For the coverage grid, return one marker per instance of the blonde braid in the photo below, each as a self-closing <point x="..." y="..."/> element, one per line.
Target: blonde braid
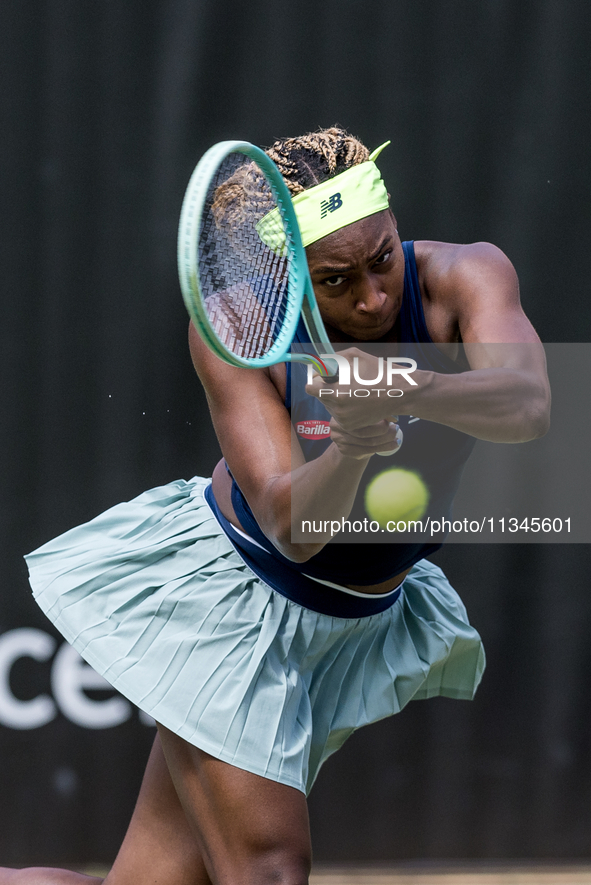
<point x="242" y="197"/>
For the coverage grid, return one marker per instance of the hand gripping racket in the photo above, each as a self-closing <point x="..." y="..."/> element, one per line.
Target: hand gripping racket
<point x="242" y="266"/>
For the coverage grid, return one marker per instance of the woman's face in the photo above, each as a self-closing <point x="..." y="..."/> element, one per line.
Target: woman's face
<point x="358" y="278"/>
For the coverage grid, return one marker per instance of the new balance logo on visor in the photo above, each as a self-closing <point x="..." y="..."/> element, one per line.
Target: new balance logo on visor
<point x="330" y="205"/>
<point x="314" y="429"/>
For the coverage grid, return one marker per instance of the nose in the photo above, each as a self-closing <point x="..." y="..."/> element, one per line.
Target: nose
<point x="370" y="296"/>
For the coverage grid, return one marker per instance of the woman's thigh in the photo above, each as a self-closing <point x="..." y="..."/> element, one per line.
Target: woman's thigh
<point x="249" y="829"/>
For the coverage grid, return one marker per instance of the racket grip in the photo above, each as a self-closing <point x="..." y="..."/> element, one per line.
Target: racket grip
<point x="399" y="439"/>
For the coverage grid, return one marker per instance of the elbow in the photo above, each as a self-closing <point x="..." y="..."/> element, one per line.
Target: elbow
<point x="534" y="421"/>
<point x="302" y="552"/>
<point x="280" y="527"/>
<point x="283" y="536"/>
<point x="540" y="425"/>
<point x="292" y="550"/>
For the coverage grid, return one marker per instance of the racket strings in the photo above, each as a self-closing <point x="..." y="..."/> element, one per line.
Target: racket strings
<point x="243" y="282"/>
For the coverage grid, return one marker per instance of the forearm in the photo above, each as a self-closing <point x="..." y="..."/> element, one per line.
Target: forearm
<point x="503" y="398"/>
<point x="322" y="490"/>
<point x="507" y="405"/>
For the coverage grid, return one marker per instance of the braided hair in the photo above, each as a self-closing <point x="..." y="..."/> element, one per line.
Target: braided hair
<point x="303" y="162"/>
<point x="315" y="157"/>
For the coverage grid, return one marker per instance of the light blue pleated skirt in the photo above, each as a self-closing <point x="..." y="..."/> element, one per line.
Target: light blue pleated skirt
<point x="155" y="597"/>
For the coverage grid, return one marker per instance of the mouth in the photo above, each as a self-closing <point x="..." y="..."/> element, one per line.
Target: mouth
<point x="378" y="326"/>
<point x="362" y="327"/>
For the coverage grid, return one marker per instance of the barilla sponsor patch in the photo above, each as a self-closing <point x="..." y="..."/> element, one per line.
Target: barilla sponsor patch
<point x="313" y="429"/>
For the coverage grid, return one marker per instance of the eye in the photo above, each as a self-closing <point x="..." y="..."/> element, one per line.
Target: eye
<point x="333" y="281"/>
<point x="382" y="259"/>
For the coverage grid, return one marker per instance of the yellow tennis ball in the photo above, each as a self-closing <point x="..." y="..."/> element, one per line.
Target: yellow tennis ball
<point x="394" y="495"/>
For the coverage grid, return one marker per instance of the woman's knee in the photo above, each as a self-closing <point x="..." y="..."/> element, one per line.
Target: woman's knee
<point x="278" y="867"/>
<point x="259" y="853"/>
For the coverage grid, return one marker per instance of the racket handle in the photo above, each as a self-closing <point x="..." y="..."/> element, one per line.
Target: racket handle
<point x="399" y="438"/>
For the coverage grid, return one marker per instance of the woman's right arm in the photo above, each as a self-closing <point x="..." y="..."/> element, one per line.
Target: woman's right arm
<point x="259" y="444"/>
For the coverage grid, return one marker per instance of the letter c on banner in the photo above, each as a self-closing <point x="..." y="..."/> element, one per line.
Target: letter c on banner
<point x="70" y="675"/>
<point x="24" y="643"/>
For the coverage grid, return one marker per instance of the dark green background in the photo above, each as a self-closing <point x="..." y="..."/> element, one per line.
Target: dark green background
<point x="106" y="106"/>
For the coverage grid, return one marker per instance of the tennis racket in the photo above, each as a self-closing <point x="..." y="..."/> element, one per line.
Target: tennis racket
<point x="244" y="286"/>
<point x="242" y="266"/>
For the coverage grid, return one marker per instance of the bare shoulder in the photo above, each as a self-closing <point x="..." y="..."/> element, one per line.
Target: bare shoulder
<point x="446" y="268"/>
<point x="472" y="288"/>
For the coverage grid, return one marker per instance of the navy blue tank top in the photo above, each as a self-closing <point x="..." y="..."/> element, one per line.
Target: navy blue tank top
<point x="437" y="452"/>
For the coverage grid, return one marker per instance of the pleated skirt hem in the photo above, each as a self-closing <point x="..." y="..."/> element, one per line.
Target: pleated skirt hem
<point x="156" y="599"/>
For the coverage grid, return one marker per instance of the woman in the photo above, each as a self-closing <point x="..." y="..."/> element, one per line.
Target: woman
<point x="259" y="656"/>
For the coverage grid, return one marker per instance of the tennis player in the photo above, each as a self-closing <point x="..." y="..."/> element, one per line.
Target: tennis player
<point x="258" y="656"/>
